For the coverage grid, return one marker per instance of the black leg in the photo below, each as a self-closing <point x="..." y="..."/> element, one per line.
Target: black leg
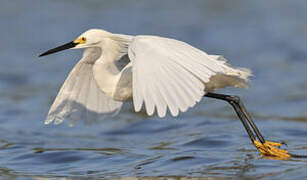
<point x="251" y="122"/>
<point x="266" y="148"/>
<point x="242" y="118"/>
<point x="241" y="112"/>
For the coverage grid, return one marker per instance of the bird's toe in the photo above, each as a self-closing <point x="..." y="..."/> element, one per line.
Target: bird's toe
<point x="271" y="149"/>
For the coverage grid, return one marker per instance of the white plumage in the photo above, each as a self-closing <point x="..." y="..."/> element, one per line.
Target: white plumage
<point x="80" y="89"/>
<point x="164" y="74"/>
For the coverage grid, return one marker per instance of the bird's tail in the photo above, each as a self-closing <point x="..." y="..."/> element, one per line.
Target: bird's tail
<point x="231" y="76"/>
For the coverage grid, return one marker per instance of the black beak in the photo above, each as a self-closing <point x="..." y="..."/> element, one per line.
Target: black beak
<point x="60" y="48"/>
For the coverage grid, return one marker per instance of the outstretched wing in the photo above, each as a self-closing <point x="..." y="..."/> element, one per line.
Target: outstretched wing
<point x="168" y="74"/>
<point x="80" y="98"/>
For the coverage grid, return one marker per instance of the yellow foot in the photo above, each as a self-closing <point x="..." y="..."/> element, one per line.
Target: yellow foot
<point x="268" y="149"/>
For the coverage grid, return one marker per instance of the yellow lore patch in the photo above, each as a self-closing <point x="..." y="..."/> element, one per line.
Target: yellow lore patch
<point x="81" y="40"/>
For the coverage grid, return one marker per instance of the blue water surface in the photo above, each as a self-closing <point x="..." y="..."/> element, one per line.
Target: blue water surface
<point x="208" y="141"/>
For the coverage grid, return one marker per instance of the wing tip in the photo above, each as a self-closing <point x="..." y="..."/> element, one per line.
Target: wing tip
<point x="48" y="120"/>
<point x="53" y="119"/>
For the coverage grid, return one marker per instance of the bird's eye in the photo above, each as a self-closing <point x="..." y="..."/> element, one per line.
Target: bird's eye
<point x="83" y="39"/>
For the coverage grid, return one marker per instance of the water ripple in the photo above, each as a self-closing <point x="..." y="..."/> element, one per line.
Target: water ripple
<point x="206" y="142"/>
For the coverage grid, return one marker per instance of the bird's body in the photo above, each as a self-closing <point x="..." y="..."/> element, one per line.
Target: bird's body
<point x="164" y="74"/>
<point x="161" y="72"/>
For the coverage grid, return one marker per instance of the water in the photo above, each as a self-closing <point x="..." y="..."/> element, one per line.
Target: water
<point x="270" y="37"/>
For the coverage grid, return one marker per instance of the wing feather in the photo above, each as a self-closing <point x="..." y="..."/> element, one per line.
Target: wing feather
<point x="181" y="90"/>
<point x="175" y="89"/>
<point x="162" y="108"/>
<point x="80" y="98"/>
<point x="168" y="74"/>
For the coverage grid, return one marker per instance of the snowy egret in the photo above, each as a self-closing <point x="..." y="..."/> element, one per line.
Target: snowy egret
<point x="164" y="74"/>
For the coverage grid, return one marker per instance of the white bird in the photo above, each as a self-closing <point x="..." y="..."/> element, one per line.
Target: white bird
<point x="164" y="74"/>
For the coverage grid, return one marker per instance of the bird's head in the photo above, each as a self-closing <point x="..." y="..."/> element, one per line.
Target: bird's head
<point x="89" y="38"/>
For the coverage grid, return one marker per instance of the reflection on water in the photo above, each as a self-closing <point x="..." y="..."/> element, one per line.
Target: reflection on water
<point x="207" y="141"/>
